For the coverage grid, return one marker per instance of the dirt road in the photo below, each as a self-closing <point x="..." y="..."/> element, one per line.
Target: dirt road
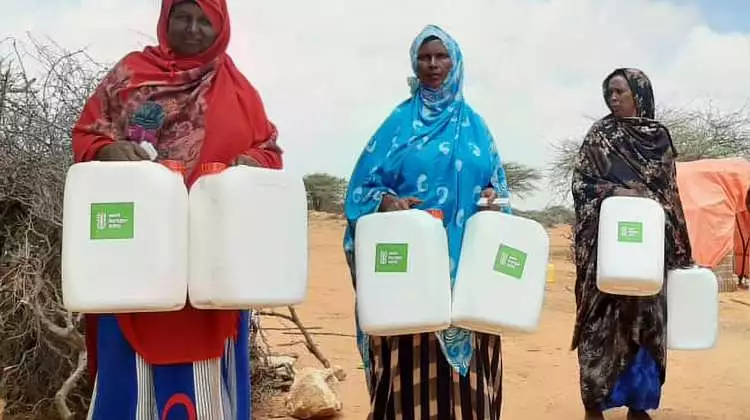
<point x="540" y="372"/>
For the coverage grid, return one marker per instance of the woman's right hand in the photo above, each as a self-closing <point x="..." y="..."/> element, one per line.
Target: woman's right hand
<point x="626" y="192"/>
<point x="122" y="151"/>
<point x="393" y="203"/>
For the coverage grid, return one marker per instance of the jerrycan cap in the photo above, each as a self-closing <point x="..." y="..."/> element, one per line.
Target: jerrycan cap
<point x="500" y="201"/>
<point x="210" y="168"/>
<point x="174" y="165"/>
<point x="436" y="213"/>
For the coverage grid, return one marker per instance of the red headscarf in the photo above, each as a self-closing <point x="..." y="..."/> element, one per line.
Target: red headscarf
<point x="216" y="101"/>
<point x="228" y="107"/>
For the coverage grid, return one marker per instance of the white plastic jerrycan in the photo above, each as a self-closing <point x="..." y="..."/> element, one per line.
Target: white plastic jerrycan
<point x="248" y="238"/>
<point x="692" y="309"/>
<point x="502" y="274"/>
<point x="631" y="246"/>
<point x="124" y="237"/>
<point x="403" y="273"/>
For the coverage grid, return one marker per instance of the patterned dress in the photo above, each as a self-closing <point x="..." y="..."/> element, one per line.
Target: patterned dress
<point x="436" y="148"/>
<point x="621" y="340"/>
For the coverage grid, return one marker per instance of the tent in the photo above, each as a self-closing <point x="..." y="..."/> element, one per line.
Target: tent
<point x="714" y="194"/>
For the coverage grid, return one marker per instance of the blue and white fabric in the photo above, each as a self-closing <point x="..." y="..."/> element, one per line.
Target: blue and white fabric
<point x="128" y="388"/>
<point x="436" y="148"/>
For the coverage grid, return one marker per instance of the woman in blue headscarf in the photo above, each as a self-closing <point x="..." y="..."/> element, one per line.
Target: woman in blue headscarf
<point x="433" y="152"/>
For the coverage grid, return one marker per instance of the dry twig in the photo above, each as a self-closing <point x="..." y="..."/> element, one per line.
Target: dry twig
<point x="42" y="90"/>
<point x="309" y="342"/>
<point x="61" y="396"/>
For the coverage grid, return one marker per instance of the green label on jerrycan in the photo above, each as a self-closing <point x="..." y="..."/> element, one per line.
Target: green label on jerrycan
<point x="510" y="261"/>
<point x="112" y="221"/>
<point x="391" y="258"/>
<point x="630" y="232"/>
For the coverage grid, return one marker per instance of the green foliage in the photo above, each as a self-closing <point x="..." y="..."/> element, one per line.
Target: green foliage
<point x="549" y="217"/>
<point x="325" y="192"/>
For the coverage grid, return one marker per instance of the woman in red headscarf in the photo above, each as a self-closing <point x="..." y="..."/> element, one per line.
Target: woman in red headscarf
<point x="181" y="100"/>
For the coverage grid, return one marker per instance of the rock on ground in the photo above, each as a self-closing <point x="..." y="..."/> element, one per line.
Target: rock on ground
<point x="314" y="395"/>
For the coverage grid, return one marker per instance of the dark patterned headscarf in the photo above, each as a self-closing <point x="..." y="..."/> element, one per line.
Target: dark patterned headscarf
<point x="618" y="155"/>
<point x="640" y="86"/>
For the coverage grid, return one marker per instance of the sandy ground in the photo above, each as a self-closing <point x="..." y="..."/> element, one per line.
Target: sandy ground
<point x="541" y="380"/>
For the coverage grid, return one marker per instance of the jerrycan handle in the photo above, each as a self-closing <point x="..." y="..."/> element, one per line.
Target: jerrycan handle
<point x="211" y="168"/>
<point x="176" y="166"/>
<point x="484" y="202"/>
<point x="436" y="213"/>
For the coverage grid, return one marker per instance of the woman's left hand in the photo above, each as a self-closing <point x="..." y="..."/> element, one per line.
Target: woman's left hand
<point x="490" y="194"/>
<point x="246" y="161"/>
<point x="626" y="192"/>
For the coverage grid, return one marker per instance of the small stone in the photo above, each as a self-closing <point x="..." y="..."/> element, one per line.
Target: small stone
<point x="339" y="373"/>
<point x="313" y="395"/>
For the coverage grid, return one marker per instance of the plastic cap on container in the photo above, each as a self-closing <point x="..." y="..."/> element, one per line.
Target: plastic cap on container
<point x="436" y="213"/>
<point x="174" y="165"/>
<point x="500" y="201"/>
<point x="210" y="168"/>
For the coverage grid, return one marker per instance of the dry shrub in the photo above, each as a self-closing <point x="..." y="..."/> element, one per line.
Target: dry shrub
<point x="42" y="352"/>
<point x="262" y="377"/>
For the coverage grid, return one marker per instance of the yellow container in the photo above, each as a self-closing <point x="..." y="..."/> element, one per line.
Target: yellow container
<point x="550" y="273"/>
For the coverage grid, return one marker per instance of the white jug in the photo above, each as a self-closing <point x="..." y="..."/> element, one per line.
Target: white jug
<point x="692" y="309"/>
<point x="403" y="273"/>
<point x="248" y="238"/>
<point x="124" y="238"/>
<point x="631" y="246"/>
<point x="501" y="275"/>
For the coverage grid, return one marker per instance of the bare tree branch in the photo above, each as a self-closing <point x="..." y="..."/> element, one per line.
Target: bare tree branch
<point x="522" y="180"/>
<point x="43" y="88"/>
<point x="309" y="342"/>
<point x="61" y="396"/>
<point x="560" y="169"/>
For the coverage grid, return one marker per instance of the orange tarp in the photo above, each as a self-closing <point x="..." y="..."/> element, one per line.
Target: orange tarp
<point x="713" y="193"/>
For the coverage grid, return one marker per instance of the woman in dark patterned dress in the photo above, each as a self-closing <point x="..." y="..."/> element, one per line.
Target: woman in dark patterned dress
<point x="621" y="341"/>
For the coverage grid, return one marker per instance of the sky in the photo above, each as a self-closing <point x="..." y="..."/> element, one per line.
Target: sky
<point x="330" y="71"/>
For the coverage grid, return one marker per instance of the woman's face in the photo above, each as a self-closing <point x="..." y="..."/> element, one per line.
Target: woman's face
<point x="189" y="32"/>
<point x="620" y="97"/>
<point x="433" y="64"/>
